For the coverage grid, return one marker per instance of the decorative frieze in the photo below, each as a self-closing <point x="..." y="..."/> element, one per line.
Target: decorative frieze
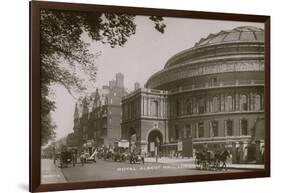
<point x="188" y="71"/>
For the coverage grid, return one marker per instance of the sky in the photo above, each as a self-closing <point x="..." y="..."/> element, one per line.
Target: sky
<point x="145" y="53"/>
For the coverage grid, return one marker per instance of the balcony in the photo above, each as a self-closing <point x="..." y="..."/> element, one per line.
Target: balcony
<point x="220" y="139"/>
<point x="225" y="84"/>
<point x="145" y="90"/>
<point x="220" y="113"/>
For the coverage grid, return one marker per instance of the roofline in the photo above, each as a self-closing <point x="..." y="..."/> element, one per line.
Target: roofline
<point x="206" y="46"/>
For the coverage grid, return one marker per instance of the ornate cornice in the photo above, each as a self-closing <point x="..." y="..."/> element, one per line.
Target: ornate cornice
<point x="205" y="68"/>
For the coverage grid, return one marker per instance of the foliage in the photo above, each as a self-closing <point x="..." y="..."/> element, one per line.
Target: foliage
<point x="64" y="53"/>
<point x="72" y="140"/>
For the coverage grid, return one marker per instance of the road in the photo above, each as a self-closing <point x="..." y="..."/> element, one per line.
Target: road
<point x="109" y="170"/>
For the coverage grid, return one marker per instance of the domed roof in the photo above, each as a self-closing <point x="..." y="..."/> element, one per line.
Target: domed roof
<point x="243" y="33"/>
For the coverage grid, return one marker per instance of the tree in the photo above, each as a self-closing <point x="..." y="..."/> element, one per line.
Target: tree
<point x="64" y="53"/>
<point x="72" y="140"/>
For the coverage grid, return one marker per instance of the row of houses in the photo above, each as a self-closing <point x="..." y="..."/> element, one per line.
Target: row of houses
<point x="97" y="117"/>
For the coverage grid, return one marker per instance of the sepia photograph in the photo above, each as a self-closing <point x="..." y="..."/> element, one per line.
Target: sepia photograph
<point x="127" y="96"/>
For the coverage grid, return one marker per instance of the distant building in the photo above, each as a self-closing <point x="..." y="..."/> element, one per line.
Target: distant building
<point x="99" y="120"/>
<point x="212" y="93"/>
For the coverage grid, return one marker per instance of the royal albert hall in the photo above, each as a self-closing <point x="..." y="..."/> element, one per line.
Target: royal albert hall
<point x="212" y="93"/>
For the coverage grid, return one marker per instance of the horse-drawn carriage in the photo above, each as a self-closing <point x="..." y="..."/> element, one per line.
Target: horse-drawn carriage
<point x="211" y="159"/>
<point x="136" y="158"/>
<point x="65" y="158"/>
<point x="118" y="154"/>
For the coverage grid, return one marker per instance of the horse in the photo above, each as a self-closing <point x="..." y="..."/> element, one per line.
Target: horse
<point x="211" y="159"/>
<point x="200" y="159"/>
<point x="223" y="157"/>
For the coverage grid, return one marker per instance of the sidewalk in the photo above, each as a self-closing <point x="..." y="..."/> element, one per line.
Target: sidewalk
<point x="190" y="163"/>
<point x="169" y="160"/>
<point x="50" y="173"/>
<point x="246" y="166"/>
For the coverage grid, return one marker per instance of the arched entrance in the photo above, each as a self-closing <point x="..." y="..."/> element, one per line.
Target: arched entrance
<point x="155" y="140"/>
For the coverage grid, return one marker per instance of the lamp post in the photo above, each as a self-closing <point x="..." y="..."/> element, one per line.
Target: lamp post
<point x="157" y="141"/>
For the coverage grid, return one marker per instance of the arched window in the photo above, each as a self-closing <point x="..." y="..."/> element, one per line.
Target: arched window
<point x="258" y="103"/>
<point x="243" y="102"/>
<point x="228" y="104"/>
<point x="154" y="108"/>
<point x="215" y="104"/>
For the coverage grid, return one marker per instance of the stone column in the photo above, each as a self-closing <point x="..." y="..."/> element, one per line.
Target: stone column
<point x="194" y="106"/>
<point x="164" y="107"/>
<point x="233" y="102"/>
<point x="141" y="105"/>
<point x="208" y="104"/>
<point x="249" y="101"/>
<point x="222" y="103"/>
<point x="146" y="106"/>
<point x="252" y="100"/>
<point x="160" y="106"/>
<point x="237" y="102"/>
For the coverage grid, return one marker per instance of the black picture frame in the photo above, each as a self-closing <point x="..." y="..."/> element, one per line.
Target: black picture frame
<point x="35" y="95"/>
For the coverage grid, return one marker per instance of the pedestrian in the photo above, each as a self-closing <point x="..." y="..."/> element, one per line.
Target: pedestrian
<point x="262" y="153"/>
<point x="54" y="155"/>
<point x="74" y="158"/>
<point x="82" y="158"/>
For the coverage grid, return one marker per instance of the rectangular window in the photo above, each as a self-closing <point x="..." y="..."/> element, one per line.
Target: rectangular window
<point x="244" y="127"/>
<point x="201" y="109"/>
<point x="188" y="107"/>
<point x="229" y="128"/>
<point x="178" y="108"/>
<point x="154" y="108"/>
<point x="214" y="132"/>
<point x="176" y="132"/>
<point x="201" y="106"/>
<point x="200" y="129"/>
<point x="244" y="103"/>
<point x="104" y="132"/>
<point x="215" y="104"/>
<point x="187" y="131"/>
<point x="214" y="81"/>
